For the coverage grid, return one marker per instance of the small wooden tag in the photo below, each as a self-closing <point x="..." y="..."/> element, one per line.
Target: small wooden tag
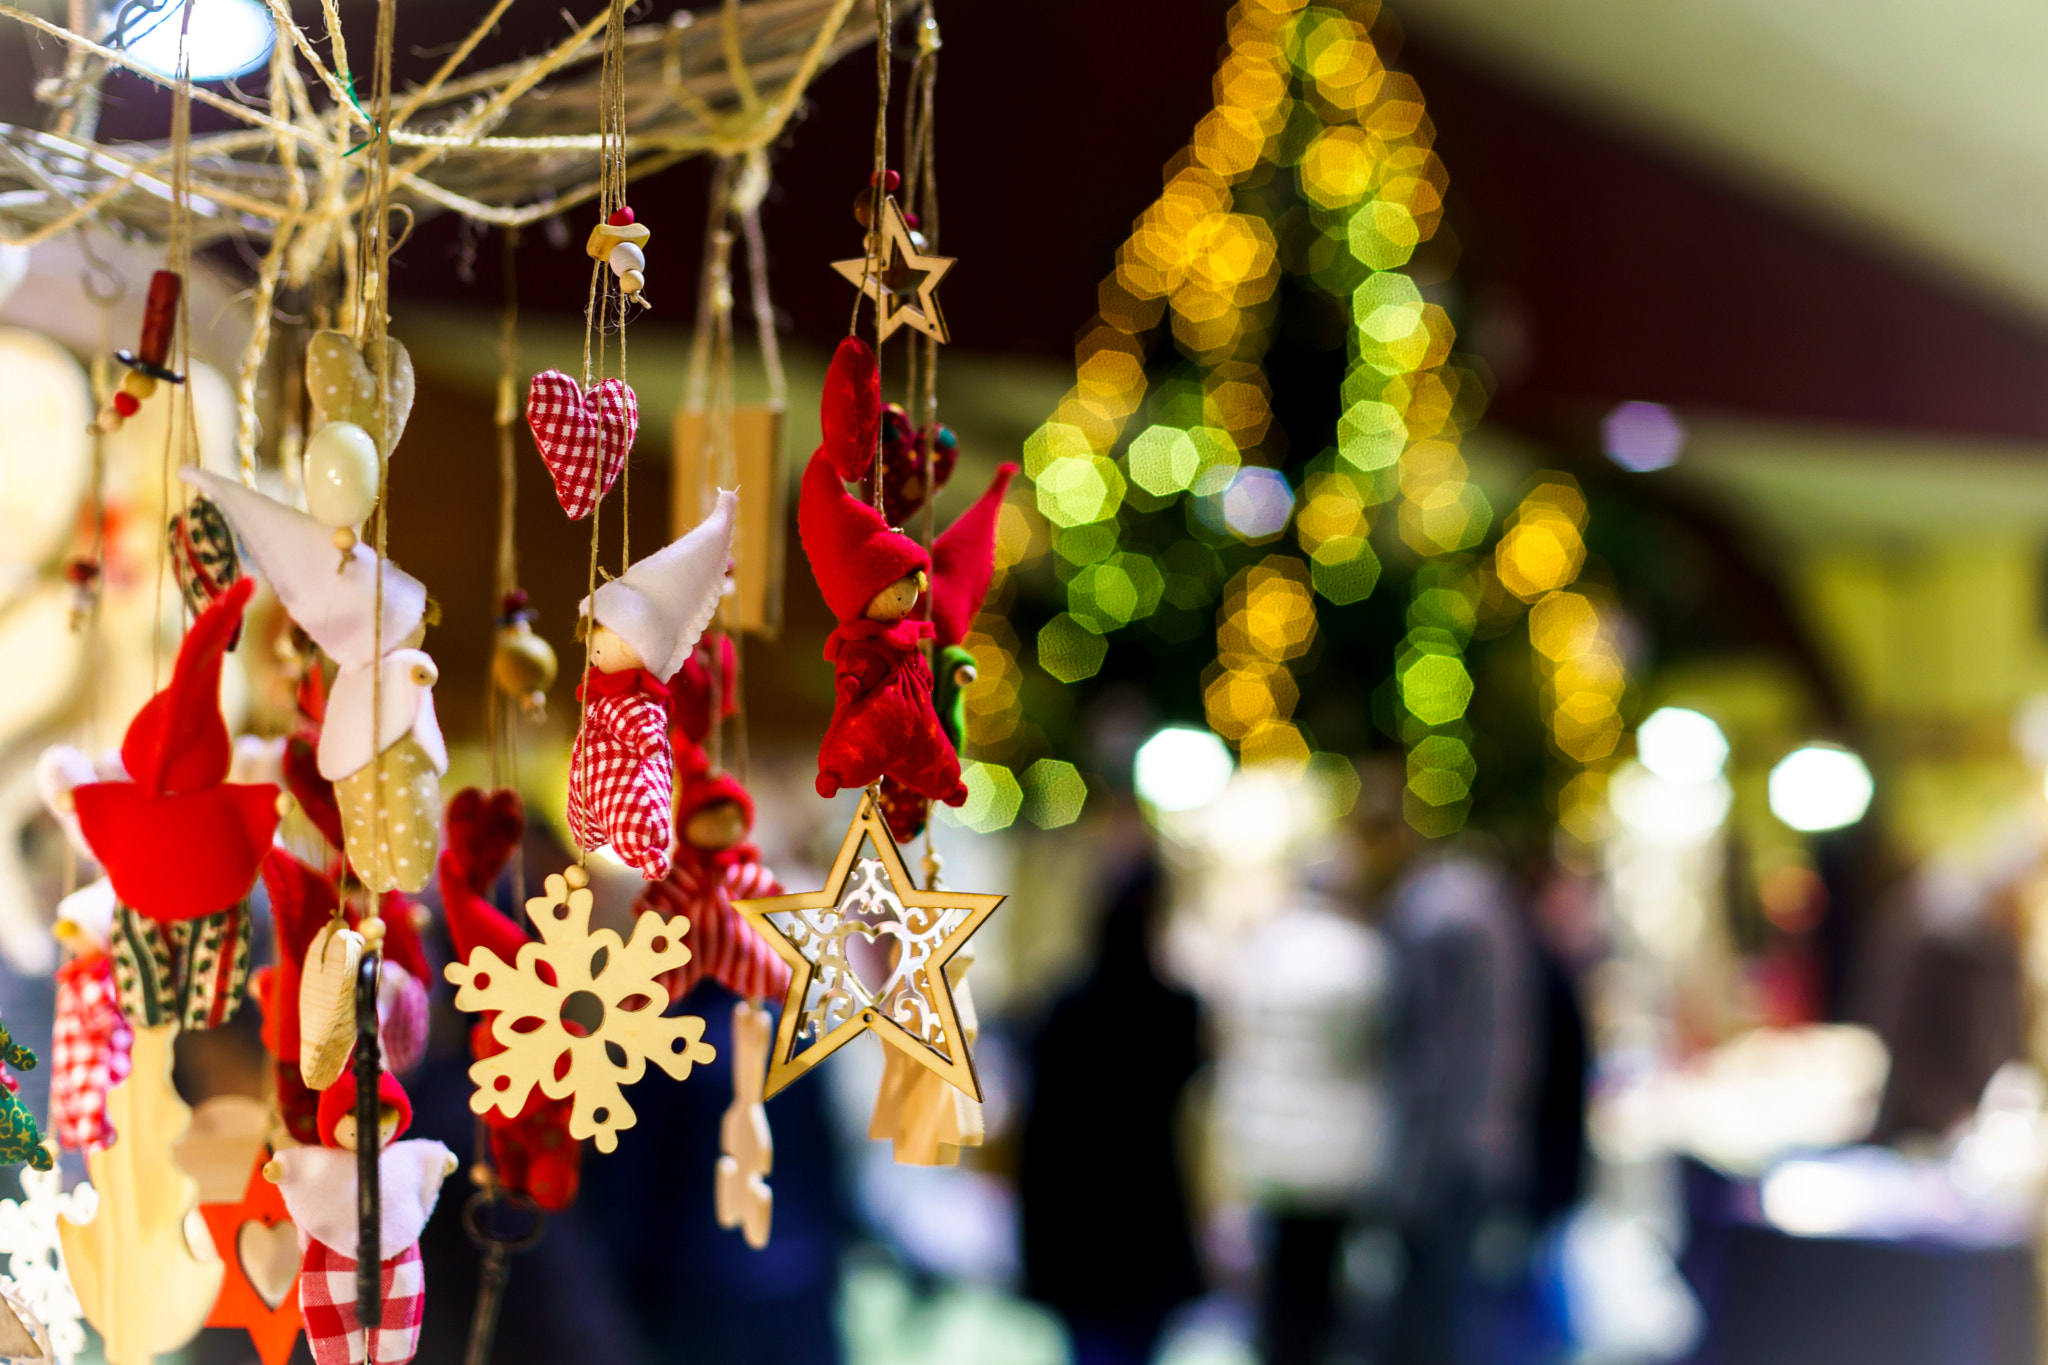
<point x="758" y="547"/>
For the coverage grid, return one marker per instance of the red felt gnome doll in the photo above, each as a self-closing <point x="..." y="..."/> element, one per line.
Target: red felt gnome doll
<point x="319" y="1189"/>
<point x="715" y="865"/>
<point x="871" y="575"/>
<point x="644" y="625"/>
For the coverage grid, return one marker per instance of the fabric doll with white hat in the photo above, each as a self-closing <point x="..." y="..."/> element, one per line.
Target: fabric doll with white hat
<point x="386" y="769"/>
<point x="92" y="1039"/>
<point x="643" y="626"/>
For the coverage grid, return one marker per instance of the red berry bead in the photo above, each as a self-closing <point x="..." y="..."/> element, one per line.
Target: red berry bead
<point x="890" y="180"/>
<point x="81" y="573"/>
<point x="127" y="404"/>
<point x="621" y="217"/>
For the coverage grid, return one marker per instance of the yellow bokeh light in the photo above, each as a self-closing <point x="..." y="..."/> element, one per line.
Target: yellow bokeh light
<point x="1371" y="435"/>
<point x="1538" y="556"/>
<point x="1562" y="625"/>
<point x="993" y="798"/>
<point x="1333" y="513"/>
<point x="1274" y="744"/>
<point x="1020" y="536"/>
<point x="1337" y="168"/>
<point x="1237" y="697"/>
<point x="1268" y="612"/>
<point x="1075" y="490"/>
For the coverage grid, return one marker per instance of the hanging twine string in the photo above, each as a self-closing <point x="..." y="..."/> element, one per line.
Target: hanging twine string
<point x="611" y="195"/>
<point x="877" y="192"/>
<point x="921" y="191"/>
<point x="506" y="577"/>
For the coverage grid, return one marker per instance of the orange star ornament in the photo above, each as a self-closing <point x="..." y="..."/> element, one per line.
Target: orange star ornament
<point x="259" y="1243"/>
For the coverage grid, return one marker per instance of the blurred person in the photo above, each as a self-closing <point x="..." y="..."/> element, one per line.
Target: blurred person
<point x="1465" y="1071"/>
<point x="1302" y="1096"/>
<point x="1942" y="984"/>
<point x="1106" y="1234"/>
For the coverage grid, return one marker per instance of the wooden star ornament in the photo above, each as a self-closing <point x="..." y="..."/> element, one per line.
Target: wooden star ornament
<point x="259" y="1244"/>
<point x="902" y="280"/>
<point x="868" y="953"/>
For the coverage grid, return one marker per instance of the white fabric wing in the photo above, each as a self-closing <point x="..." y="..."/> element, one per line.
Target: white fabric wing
<point x="295" y="555"/>
<point x="319" y="1189"/>
<point x="61" y="767"/>
<point x="407" y="707"/>
<point x="662" y="604"/>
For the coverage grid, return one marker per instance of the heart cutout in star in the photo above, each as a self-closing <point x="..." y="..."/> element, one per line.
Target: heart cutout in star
<point x="269" y="1253"/>
<point x="583" y="435"/>
<point x="877" y="946"/>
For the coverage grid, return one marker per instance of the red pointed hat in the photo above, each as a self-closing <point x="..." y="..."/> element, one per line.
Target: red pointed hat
<point x="697" y="787"/>
<point x="853" y="550"/>
<point x="963" y="561"/>
<point x="179" y="840"/>
<point x="340" y="1098"/>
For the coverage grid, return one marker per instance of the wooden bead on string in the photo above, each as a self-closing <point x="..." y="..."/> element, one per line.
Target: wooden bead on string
<point x="619" y="242"/>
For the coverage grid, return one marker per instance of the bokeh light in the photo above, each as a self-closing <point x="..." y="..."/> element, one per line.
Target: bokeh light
<point x="1068" y="650"/>
<point x="1681" y="745"/>
<point x="1054" y="793"/>
<point x="1820" y="787"/>
<point x="1642" y="436"/>
<point x="1181" y="768"/>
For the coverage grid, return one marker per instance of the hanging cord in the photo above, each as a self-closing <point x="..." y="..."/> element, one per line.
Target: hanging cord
<point x="178" y="257"/>
<point x="877" y="192"/>
<point x="611" y="194"/>
<point x="497" y="722"/>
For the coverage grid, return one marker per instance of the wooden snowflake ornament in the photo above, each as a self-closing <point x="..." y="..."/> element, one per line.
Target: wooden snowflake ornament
<point x="580" y="1013"/>
<point x="868" y="953"/>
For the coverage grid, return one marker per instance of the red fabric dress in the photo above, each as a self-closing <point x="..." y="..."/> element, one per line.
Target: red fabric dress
<point x="622" y="772"/>
<point x="89" y="1051"/>
<point x="883" y="721"/>
<point x="722" y="944"/>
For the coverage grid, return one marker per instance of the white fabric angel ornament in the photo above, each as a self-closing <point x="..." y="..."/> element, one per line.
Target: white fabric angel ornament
<point x="643" y="626"/>
<point x="319" y="1189"/>
<point x="386" y="769"/>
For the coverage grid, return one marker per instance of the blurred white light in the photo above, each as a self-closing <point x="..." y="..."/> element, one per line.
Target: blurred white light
<point x="1181" y="768"/>
<point x="1642" y="436"/>
<point x="1815" y="1198"/>
<point x="1682" y="746"/>
<point x="1822" y="786"/>
<point x="1257" y="503"/>
<point x="1660" y="811"/>
<point x="227" y="39"/>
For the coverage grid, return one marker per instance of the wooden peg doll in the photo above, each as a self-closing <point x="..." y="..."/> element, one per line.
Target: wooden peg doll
<point x="319" y="1188"/>
<point x="643" y="626"/>
<point x="871" y="576"/>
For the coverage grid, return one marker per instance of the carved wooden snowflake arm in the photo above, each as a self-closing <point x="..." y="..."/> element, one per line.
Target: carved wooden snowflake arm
<point x="579" y="1013"/>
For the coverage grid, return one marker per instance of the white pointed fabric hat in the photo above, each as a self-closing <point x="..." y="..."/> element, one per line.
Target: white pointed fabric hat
<point x="295" y="555"/>
<point x="662" y="604"/>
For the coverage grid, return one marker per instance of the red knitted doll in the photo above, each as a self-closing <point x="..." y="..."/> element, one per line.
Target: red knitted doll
<point x="319" y="1189"/>
<point x="715" y="866"/>
<point x="533" y="1153"/>
<point x="645" y="623"/>
<point x="871" y="575"/>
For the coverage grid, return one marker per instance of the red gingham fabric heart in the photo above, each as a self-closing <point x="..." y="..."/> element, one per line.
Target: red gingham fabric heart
<point x="583" y="435"/>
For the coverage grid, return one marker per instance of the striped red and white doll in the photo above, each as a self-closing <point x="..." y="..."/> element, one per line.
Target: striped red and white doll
<point x="319" y="1189"/>
<point x="715" y="865"/>
<point x="643" y="625"/>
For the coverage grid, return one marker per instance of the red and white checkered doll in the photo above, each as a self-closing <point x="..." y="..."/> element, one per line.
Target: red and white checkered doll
<point x="644" y="624"/>
<point x="90" y="1045"/>
<point x="319" y="1189"/>
<point x="715" y="865"/>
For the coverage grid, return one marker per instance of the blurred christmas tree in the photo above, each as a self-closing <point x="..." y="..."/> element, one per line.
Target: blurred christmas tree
<point x="1254" y="506"/>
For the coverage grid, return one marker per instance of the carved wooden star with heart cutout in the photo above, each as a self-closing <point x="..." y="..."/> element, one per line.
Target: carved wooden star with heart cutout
<point x="868" y="954"/>
<point x="902" y="281"/>
<point x="260" y="1246"/>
